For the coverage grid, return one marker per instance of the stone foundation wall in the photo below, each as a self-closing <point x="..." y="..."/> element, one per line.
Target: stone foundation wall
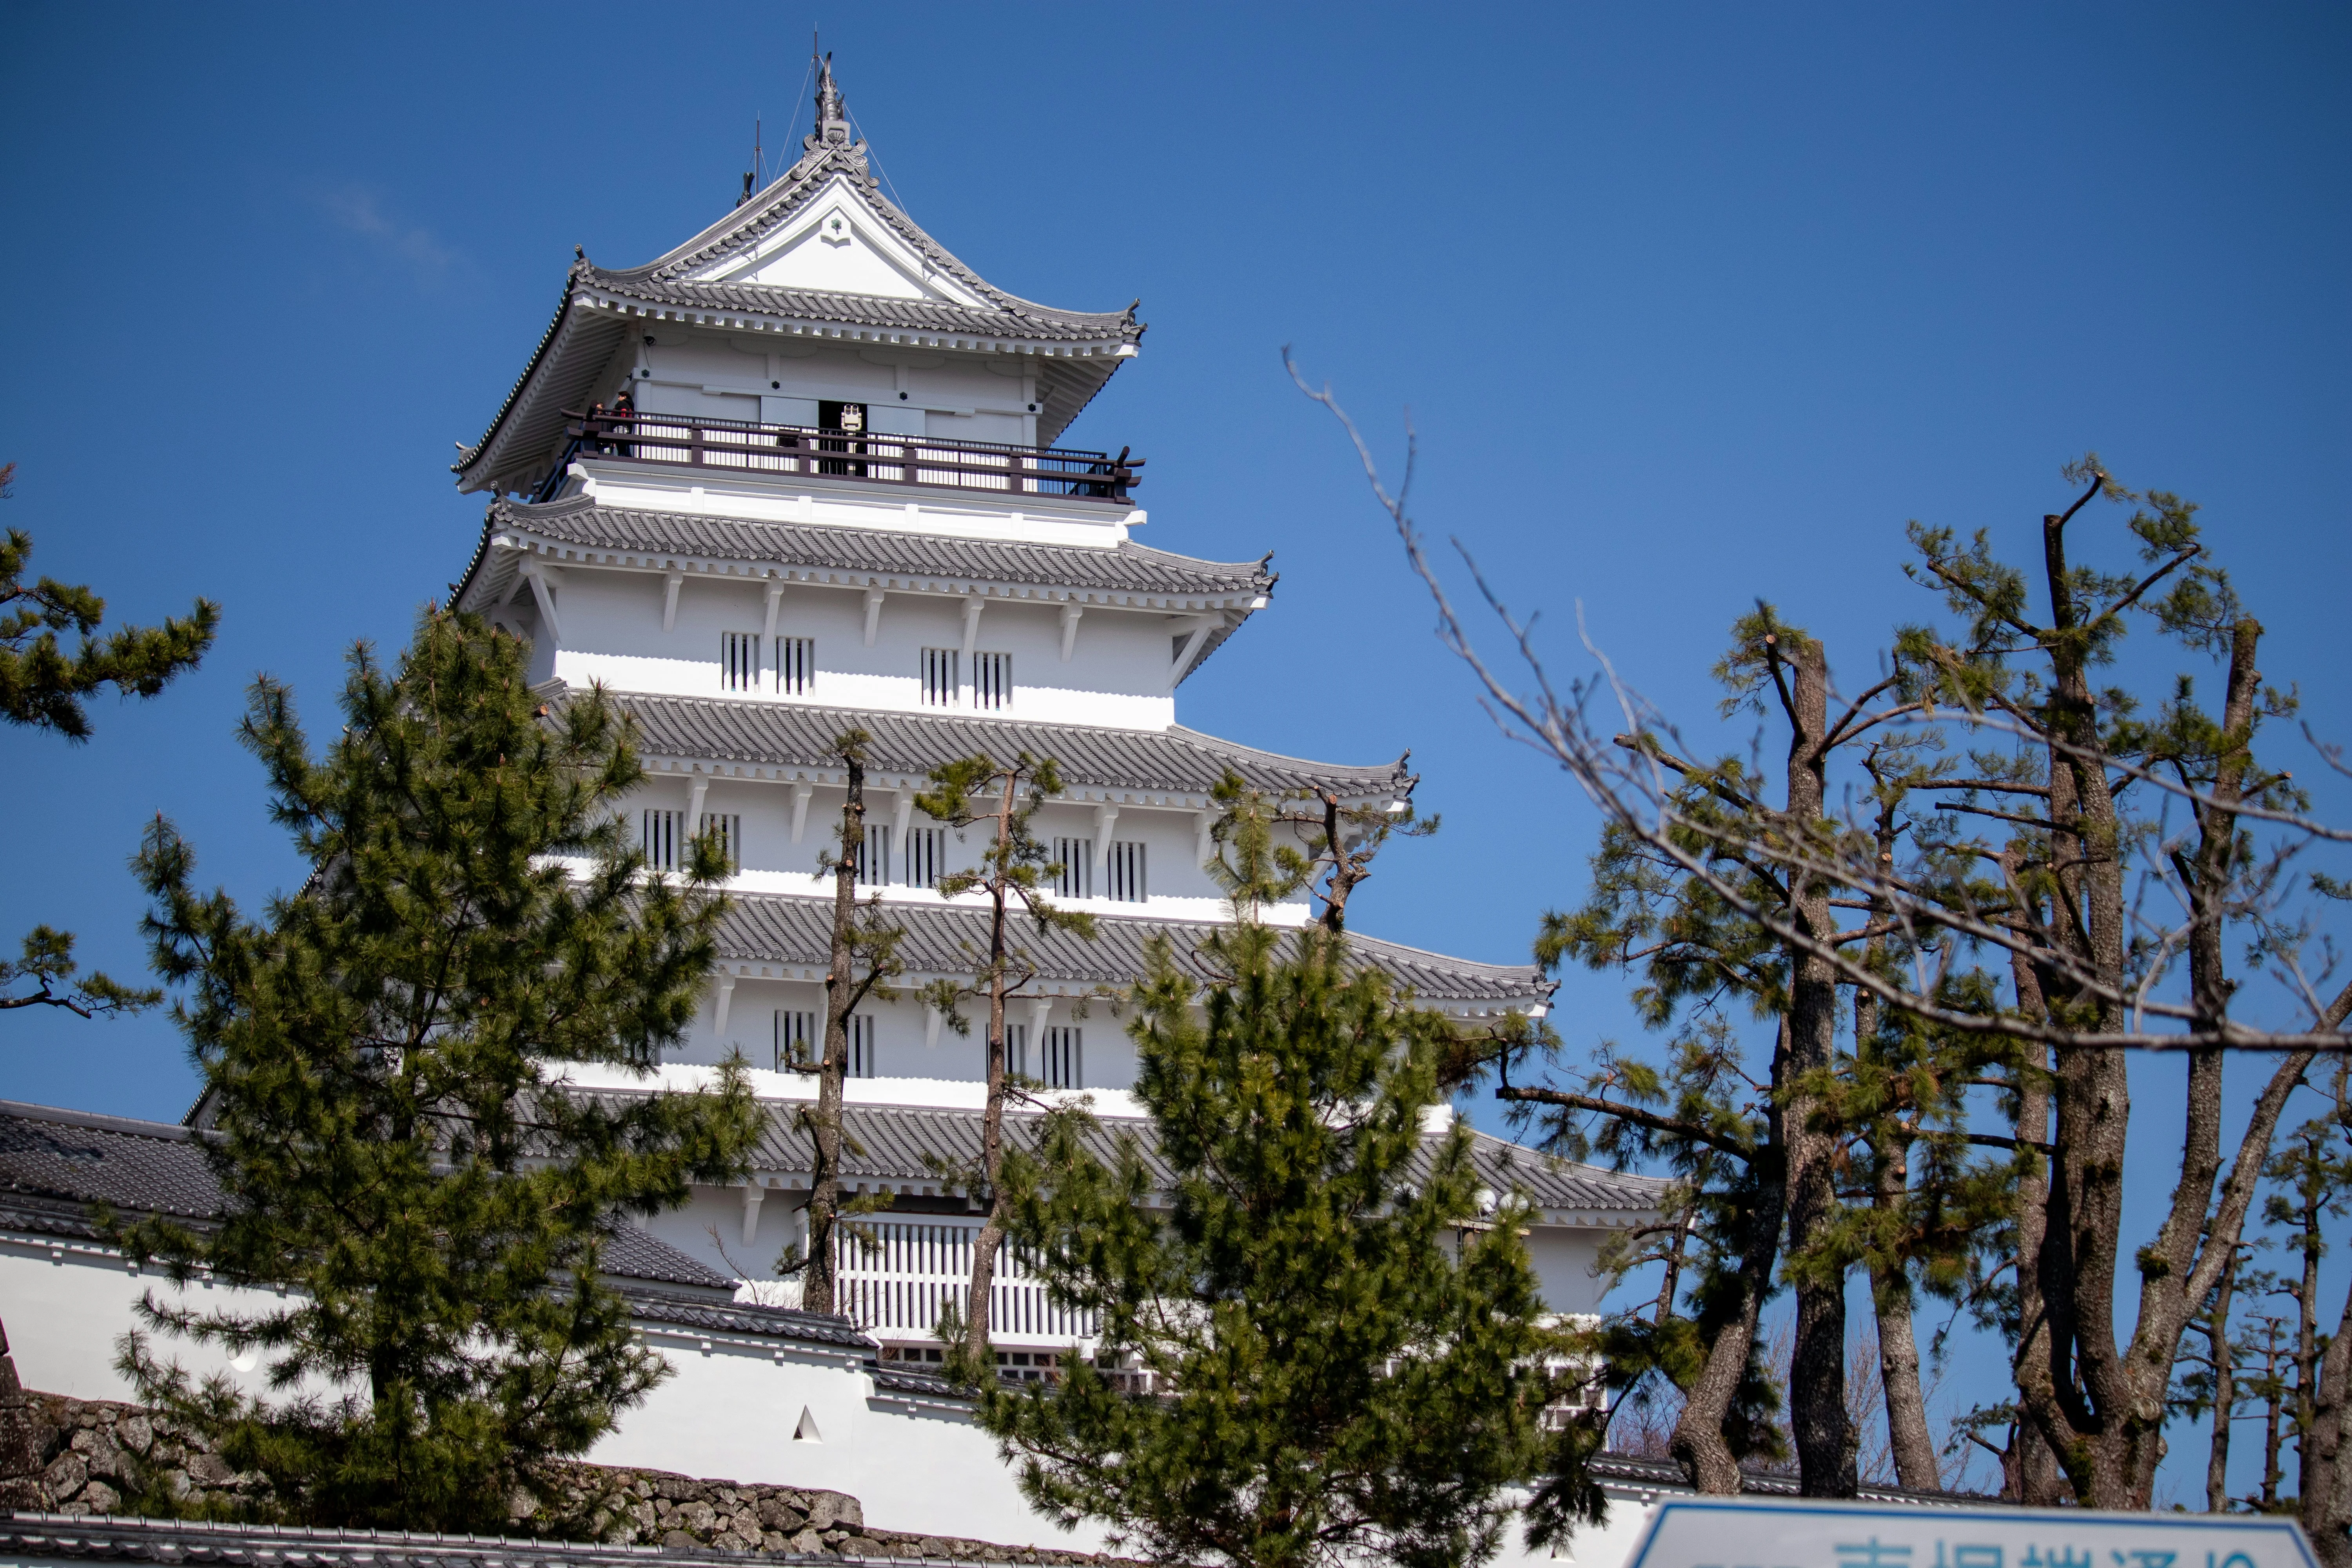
<point x="86" y="1457"/>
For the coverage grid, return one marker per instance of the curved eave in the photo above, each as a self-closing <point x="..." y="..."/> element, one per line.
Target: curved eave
<point x="782" y="936"/>
<point x="778" y="741"/>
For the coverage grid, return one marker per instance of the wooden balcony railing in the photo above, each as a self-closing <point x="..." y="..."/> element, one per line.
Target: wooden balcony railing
<point x="695" y="442"/>
<point x="896" y="1275"/>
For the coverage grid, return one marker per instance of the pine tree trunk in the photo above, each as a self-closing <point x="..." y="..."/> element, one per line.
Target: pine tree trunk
<point x="1826" y="1441"/>
<point x="1908" y="1439"/>
<point x="2325" y="1482"/>
<point x="1912" y="1446"/>
<point x="2200" y="1233"/>
<point x="992" y="1127"/>
<point x="2225" y="1391"/>
<point x="1697" y="1442"/>
<point x="818" y="1282"/>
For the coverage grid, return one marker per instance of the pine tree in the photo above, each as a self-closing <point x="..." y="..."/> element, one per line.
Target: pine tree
<point x="1337" y="1327"/>
<point x="42" y="688"/>
<point x="383" y="1054"/>
<point x="1014" y="873"/>
<point x="863" y="960"/>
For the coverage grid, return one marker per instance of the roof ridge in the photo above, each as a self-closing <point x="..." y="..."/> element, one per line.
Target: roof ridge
<point x="572" y="506"/>
<point x="167" y="1131"/>
<point x="1107" y="731"/>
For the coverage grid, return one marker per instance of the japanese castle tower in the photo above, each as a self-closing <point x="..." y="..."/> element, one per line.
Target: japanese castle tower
<point x="840" y="499"/>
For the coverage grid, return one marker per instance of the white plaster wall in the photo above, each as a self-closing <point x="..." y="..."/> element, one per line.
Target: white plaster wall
<point x="1564" y="1259"/>
<point x="1179" y="888"/>
<point x="964" y="395"/>
<point x="728" y="1412"/>
<point x="612" y="631"/>
<point x="731" y="1410"/>
<point x="66" y="1303"/>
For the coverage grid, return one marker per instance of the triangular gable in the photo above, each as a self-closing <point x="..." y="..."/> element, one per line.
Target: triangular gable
<point x="835" y="241"/>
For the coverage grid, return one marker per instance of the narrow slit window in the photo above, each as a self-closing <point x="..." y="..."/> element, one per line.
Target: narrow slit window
<point x="795" y="666"/>
<point x="992" y="680"/>
<point x="738" y="661"/>
<point x="863" y="1053"/>
<point x="1063" y="1066"/>
<point x="1125" y="870"/>
<point x="874" y="858"/>
<point x="658" y="837"/>
<point x="926" y="849"/>
<point x="727" y="828"/>
<point x="1016" y="1052"/>
<point x="799" y="1040"/>
<point x="939" y="675"/>
<point x="1076" y="859"/>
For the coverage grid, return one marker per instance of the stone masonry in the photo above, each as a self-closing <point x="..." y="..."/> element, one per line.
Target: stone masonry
<point x="86" y="1457"/>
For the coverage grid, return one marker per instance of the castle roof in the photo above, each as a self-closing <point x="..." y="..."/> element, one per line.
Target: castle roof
<point x="910" y="1143"/>
<point x="769" y="735"/>
<point x="1127" y="573"/>
<point x="720" y="278"/>
<point x="796" y="932"/>
<point x="56" y="1163"/>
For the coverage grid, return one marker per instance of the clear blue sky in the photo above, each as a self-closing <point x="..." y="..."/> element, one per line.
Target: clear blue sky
<point x="1691" y="304"/>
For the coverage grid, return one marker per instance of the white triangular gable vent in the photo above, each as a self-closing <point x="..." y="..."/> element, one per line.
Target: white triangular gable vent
<point x="806" y="1431"/>
<point x="837" y="245"/>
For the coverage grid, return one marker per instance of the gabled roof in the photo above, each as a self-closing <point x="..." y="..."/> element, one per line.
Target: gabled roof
<point x="56" y="1163"/>
<point x="796" y="933"/>
<point x="954" y="308"/>
<point x="780" y="735"/>
<point x="578" y="528"/>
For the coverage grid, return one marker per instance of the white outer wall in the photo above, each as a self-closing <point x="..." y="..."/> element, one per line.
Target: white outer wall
<point x="1117" y="675"/>
<point x="728" y="1412"/>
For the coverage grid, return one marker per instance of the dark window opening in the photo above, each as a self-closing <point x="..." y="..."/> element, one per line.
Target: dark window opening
<point x="849" y="418"/>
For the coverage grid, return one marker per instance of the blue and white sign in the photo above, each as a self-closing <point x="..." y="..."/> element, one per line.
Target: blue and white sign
<point x="1755" y="1534"/>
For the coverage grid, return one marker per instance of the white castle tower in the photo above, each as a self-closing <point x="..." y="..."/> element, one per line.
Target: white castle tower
<point x="838" y="500"/>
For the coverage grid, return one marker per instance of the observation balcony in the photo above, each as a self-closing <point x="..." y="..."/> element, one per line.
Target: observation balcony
<point x="895" y="1277"/>
<point x="680" y="440"/>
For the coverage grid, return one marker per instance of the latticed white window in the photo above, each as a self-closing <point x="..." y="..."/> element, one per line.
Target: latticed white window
<point x="1076" y="859"/>
<point x="927" y="853"/>
<point x="1016" y="1052"/>
<point x="992" y="679"/>
<point x="1124" y="871"/>
<point x="738" y="661"/>
<point x="864" y="1055"/>
<point x="874" y="858"/>
<point x="939" y="675"/>
<point x="795" y="666"/>
<point x="659" y="835"/>
<point x="727" y="828"/>
<point x="1061" y="1062"/>
<point x="799" y="1039"/>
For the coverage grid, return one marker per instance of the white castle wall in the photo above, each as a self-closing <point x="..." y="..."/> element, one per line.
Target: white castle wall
<point x="1117" y="675"/>
<point x="729" y="1411"/>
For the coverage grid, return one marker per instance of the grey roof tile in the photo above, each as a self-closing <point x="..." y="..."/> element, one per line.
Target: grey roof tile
<point x="27" y="1537"/>
<point x="901" y="1144"/>
<point x="940" y="939"/>
<point x="151" y="1167"/>
<point x="743" y="1318"/>
<point x="792" y="734"/>
<point x="1126" y="568"/>
<point x="51" y="1157"/>
<point x="1024" y="322"/>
